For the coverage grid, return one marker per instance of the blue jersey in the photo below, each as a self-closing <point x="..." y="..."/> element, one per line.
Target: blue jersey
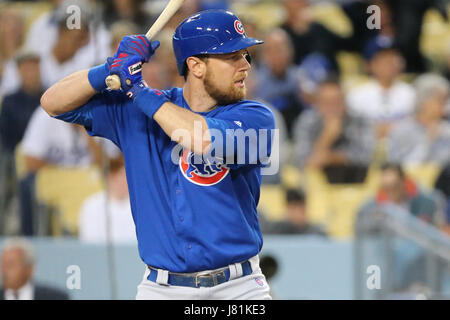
<point x="189" y="217"/>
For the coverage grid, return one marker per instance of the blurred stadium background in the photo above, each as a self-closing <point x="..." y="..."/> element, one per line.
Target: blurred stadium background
<point x="340" y="204"/>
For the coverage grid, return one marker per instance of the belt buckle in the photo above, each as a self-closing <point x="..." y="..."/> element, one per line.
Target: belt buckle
<point x="198" y="276"/>
<point x="213" y="275"/>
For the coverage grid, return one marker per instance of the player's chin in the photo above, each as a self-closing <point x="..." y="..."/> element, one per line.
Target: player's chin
<point x="239" y="92"/>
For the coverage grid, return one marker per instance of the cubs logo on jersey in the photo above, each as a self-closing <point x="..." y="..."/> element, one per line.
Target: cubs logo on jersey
<point x="206" y="173"/>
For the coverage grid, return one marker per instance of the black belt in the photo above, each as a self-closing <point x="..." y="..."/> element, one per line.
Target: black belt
<point x="211" y="279"/>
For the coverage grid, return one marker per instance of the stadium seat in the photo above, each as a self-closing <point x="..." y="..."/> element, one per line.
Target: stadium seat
<point x="335" y="205"/>
<point x="20" y="162"/>
<point x="291" y="176"/>
<point x="65" y="190"/>
<point x="272" y="201"/>
<point x="345" y="201"/>
<point x="317" y="204"/>
<point x="424" y="174"/>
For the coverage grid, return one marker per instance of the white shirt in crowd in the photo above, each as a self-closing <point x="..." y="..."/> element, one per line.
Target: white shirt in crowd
<point x="24" y="293"/>
<point x="41" y="39"/>
<point x="43" y="34"/>
<point x="55" y="141"/>
<point x="373" y="102"/>
<point x="10" y="79"/>
<point x="53" y="71"/>
<point x="92" y="220"/>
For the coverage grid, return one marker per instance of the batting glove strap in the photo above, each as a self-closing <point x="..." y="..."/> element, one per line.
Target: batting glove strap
<point x="97" y="76"/>
<point x="149" y="100"/>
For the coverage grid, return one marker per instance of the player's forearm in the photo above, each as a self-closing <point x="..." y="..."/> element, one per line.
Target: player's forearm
<point x="185" y="127"/>
<point x="68" y="94"/>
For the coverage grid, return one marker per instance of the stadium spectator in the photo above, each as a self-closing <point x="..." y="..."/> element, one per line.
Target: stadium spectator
<point x="47" y="141"/>
<point x="18" y="107"/>
<point x="424" y="138"/>
<point x="328" y="137"/>
<point x="17" y="268"/>
<point x="11" y="33"/>
<point x="401" y="20"/>
<point x="127" y="10"/>
<point x="15" y="114"/>
<point x="115" y="202"/>
<point x="397" y="188"/>
<point x="62" y="60"/>
<point x="11" y="39"/>
<point x="119" y="30"/>
<point x="384" y="99"/>
<point x="296" y="218"/>
<point x="309" y="37"/>
<point x="276" y="80"/>
<point x="44" y="31"/>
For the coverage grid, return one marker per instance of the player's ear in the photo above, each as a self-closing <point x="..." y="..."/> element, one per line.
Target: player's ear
<point x="196" y="66"/>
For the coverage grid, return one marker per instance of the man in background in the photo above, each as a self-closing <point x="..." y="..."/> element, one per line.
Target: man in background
<point x="276" y="80"/>
<point x="398" y="189"/>
<point x="296" y="218"/>
<point x="18" y="107"/>
<point x="15" y="114"/>
<point x="17" y="267"/>
<point x="384" y="100"/>
<point x="328" y="137"/>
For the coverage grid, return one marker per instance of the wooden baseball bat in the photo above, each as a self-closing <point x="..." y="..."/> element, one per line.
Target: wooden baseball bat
<point x="113" y="81"/>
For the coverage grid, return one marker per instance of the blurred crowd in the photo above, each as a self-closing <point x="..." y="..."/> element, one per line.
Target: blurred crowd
<point x="390" y="112"/>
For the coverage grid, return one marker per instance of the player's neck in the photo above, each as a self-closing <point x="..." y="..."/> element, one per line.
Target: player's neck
<point x="197" y="98"/>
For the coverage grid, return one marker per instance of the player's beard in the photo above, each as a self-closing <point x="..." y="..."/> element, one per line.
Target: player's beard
<point x="223" y="97"/>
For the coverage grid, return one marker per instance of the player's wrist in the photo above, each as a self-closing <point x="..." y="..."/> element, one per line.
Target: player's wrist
<point x="150" y="100"/>
<point x="97" y="76"/>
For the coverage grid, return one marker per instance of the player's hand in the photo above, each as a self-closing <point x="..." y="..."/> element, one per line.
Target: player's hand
<point x="127" y="62"/>
<point x="128" y="69"/>
<point x="137" y="45"/>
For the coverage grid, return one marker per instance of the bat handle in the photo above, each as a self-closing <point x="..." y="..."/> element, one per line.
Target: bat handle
<point x="113" y="82"/>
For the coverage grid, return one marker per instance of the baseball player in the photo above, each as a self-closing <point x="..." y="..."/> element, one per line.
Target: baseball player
<point x="196" y="219"/>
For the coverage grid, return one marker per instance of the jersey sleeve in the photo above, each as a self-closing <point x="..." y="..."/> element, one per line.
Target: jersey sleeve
<point x="101" y="116"/>
<point x="242" y="135"/>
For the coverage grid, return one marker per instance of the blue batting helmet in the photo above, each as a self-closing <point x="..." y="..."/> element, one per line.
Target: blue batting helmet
<point x="209" y="32"/>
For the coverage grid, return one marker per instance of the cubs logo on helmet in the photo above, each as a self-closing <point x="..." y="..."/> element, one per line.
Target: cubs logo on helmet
<point x="239" y="27"/>
<point x="206" y="173"/>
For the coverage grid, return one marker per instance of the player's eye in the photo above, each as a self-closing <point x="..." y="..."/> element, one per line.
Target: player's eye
<point x="236" y="56"/>
<point x="248" y="57"/>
